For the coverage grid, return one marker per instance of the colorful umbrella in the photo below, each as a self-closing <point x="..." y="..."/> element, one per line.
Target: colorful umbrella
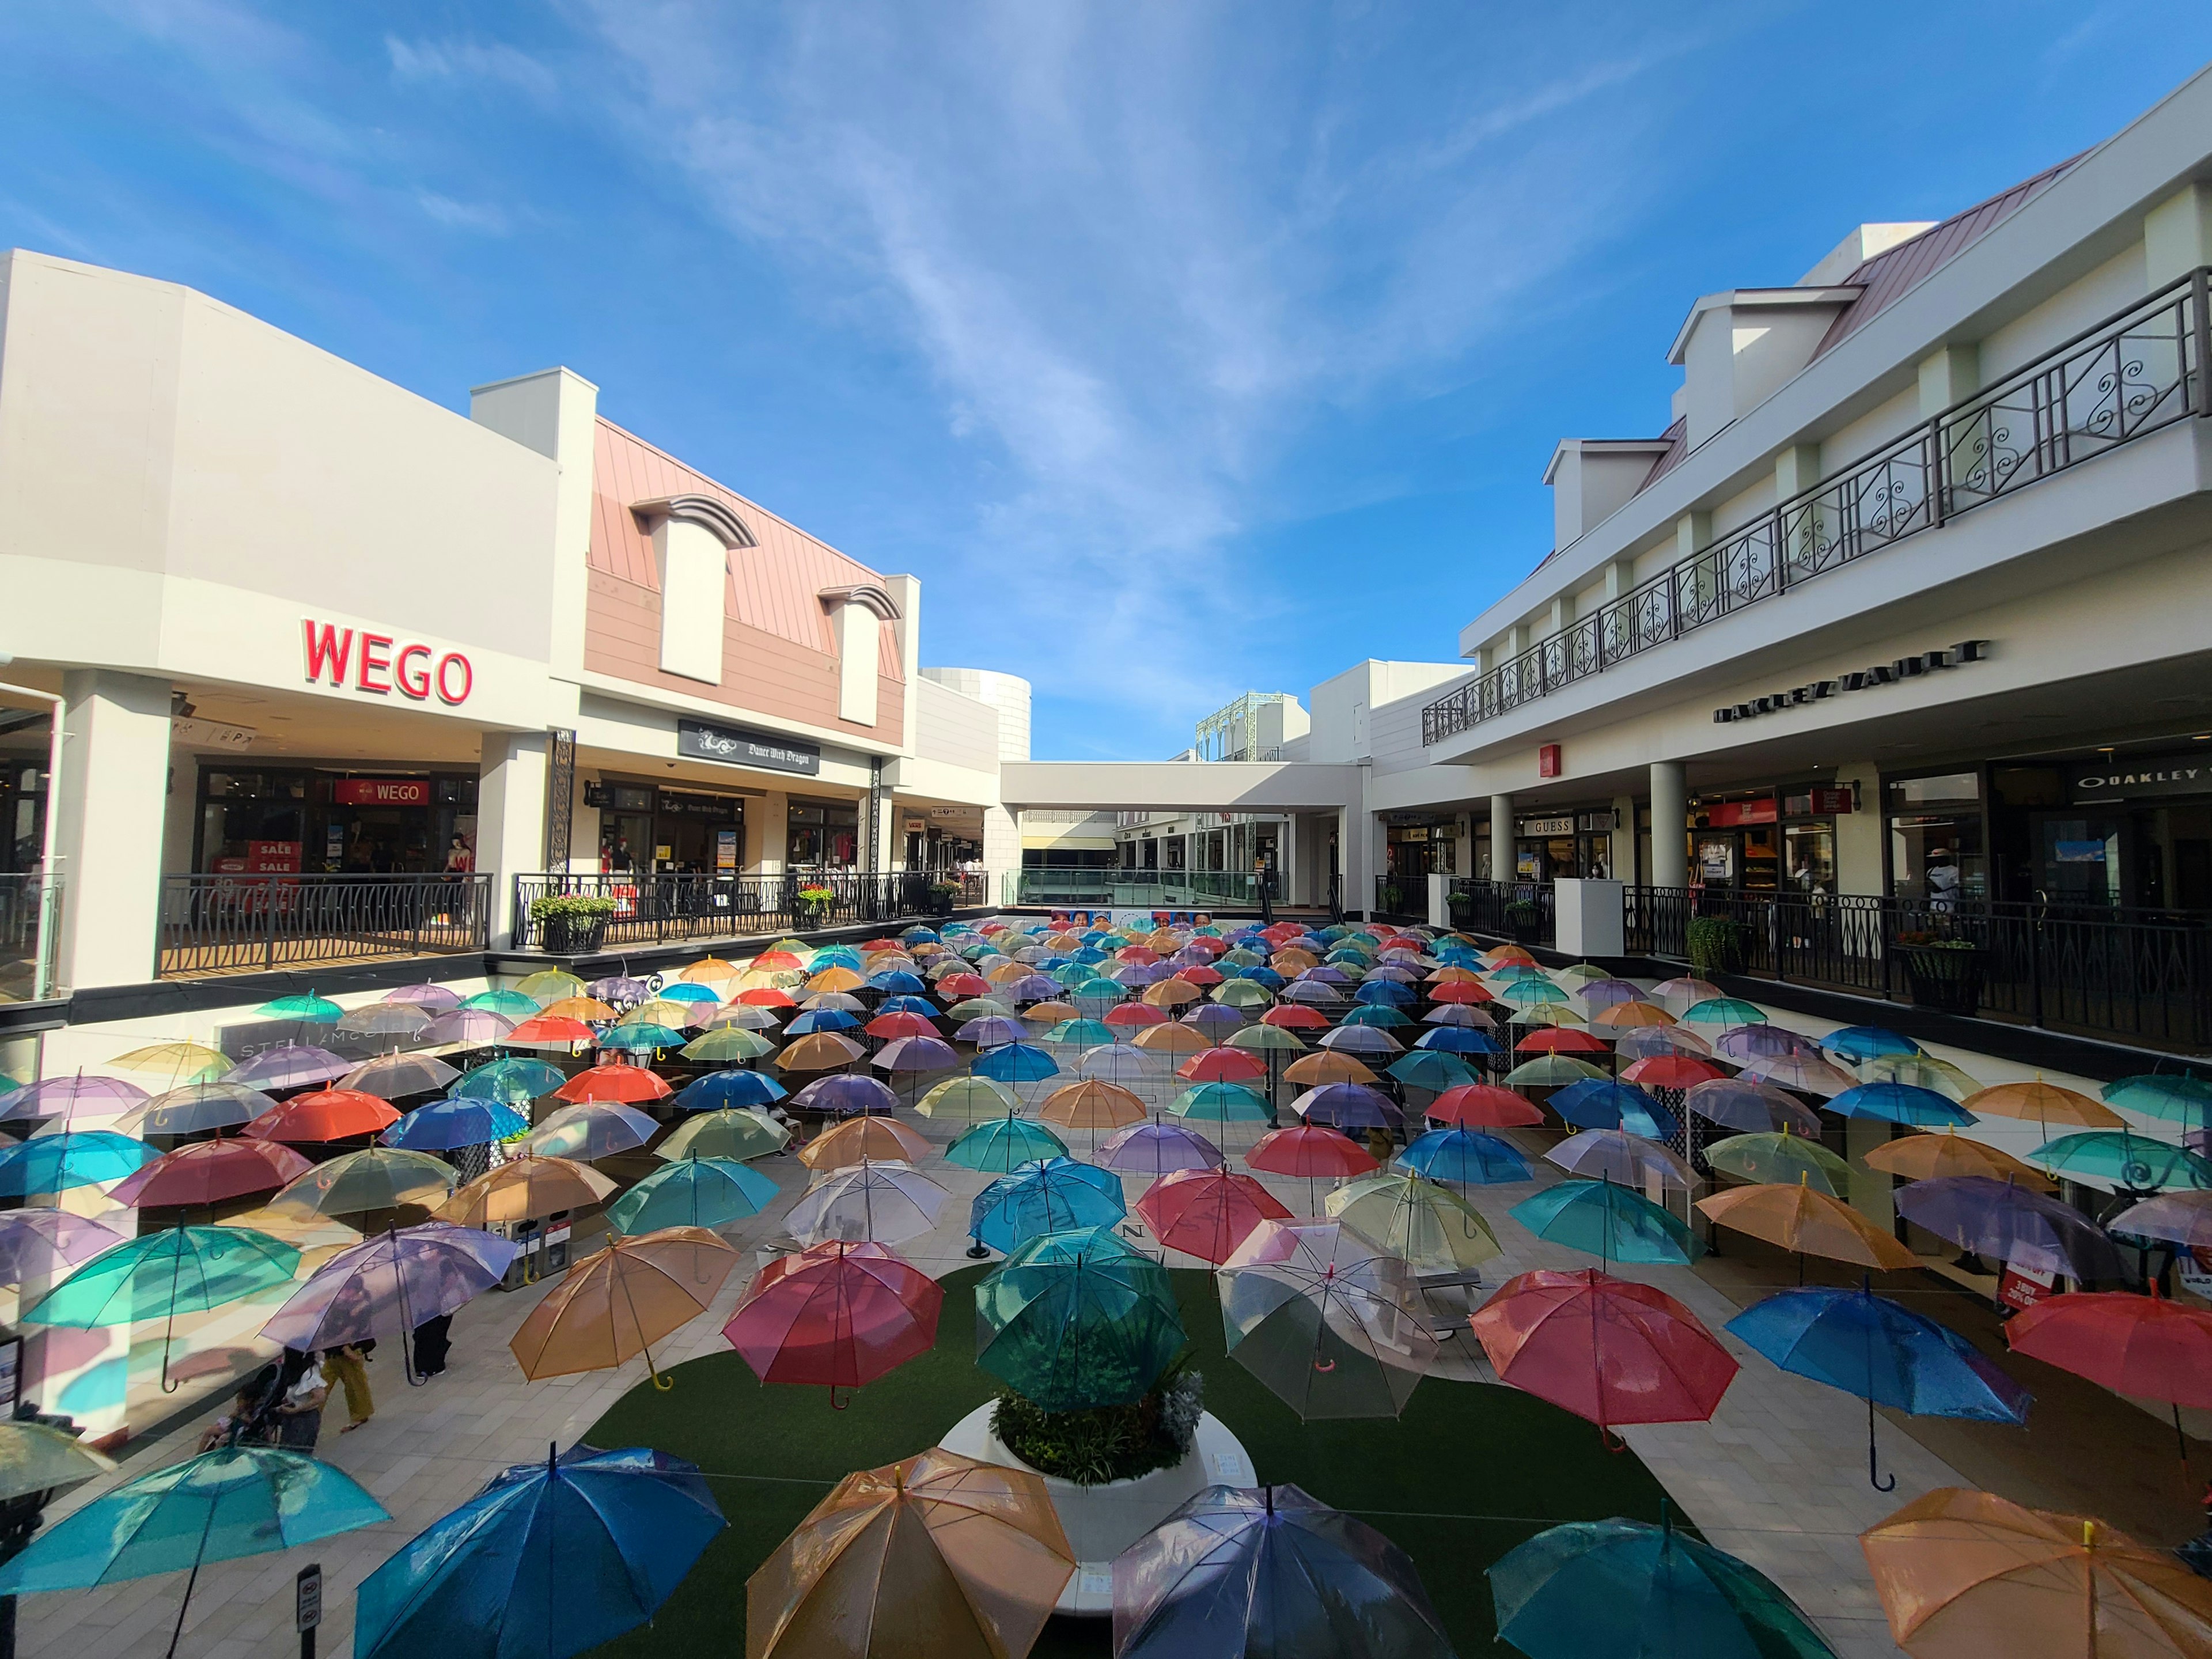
<point x="40" y="1244"/>
<point x="1483" y="1106"/>
<point x="1331" y="1326"/>
<point x="1810" y="1223"/>
<point x="309" y="1009"/>
<point x="1552" y="1072"/>
<point x="725" y="1133"/>
<point x="1157" y="1149"/>
<point x="1464" y="1157"/>
<point x="1326" y="1065"/>
<point x="195" y="1109"/>
<point x="1077" y="1320"/>
<point x="1900" y="1103"/>
<point x="1348" y="1106"/>
<point x="870" y="1203"/>
<point x="1422" y="1222"/>
<point x="374" y="1178"/>
<point x="1781" y="1158"/>
<point x="1001" y="1145"/>
<point x="551" y="1031"/>
<point x="1221" y="1103"/>
<point x="1609" y="1221"/>
<point x="468" y="1027"/>
<point x="2124" y="1160"/>
<point x="1051" y="1195"/>
<point x="39" y="1458"/>
<point x="835" y="1315"/>
<point x="613" y="1306"/>
<point x="692" y="1192"/>
<point x="288" y="1066"/>
<point x="1016" y="1062"/>
<point x="390" y="1283"/>
<point x="206" y="1172"/>
<point x="514" y="1081"/>
<point x="588" y="1130"/>
<point x="1091" y="1104"/>
<point x="1751" y="1106"/>
<point x="1630" y="1160"/>
<point x="860" y="1138"/>
<point x="2012" y="1225"/>
<point x="2135" y="1345"/>
<point x="2176" y="1098"/>
<point x="83" y="1157"/>
<point x="322" y="1116"/>
<point x="1600" y="1103"/>
<point x="526" y="1188"/>
<point x="727" y="1044"/>
<point x="508" y="1004"/>
<point x="1207" y="1213"/>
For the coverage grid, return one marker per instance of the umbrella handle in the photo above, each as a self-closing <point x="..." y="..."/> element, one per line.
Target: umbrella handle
<point x="168" y="1331"/>
<point x="1873" y="1470"/>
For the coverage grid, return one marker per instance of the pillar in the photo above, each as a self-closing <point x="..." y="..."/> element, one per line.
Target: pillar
<point x="510" y="820"/>
<point x="1002" y="854"/>
<point x="1622" y="864"/>
<point x="1858" y="833"/>
<point x="111" y="810"/>
<point x="1501" y="838"/>
<point x="2178" y="234"/>
<point x="1670" y="825"/>
<point x="771" y="841"/>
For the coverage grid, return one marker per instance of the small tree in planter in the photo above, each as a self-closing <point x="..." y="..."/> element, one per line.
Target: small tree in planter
<point x="571" y="924"/>
<point x="942" y="896"/>
<point x="814" y="902"/>
<point x="1460" y="903"/>
<point x="1524" y="920"/>
<point x="1393" y="899"/>
<point x="1945" y="972"/>
<point x="1716" y="945"/>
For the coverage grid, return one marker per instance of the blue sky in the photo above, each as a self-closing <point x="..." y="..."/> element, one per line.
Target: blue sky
<point x="1182" y="349"/>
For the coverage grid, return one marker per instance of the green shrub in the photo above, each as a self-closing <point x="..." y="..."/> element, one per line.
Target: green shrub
<point x="573" y="907"/>
<point x="1110" y="1442"/>
<point x="1392" y="898"/>
<point x="1523" y="913"/>
<point x="1716" y="945"/>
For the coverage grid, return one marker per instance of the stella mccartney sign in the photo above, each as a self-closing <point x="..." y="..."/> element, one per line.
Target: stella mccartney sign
<point x="380" y="664"/>
<point x="1885" y="673"/>
<point x="734" y="746"/>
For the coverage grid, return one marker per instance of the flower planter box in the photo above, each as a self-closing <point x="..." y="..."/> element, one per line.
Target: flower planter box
<point x="572" y="936"/>
<point x="1945" y="978"/>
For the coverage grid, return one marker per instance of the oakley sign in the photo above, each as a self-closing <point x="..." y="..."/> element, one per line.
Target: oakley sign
<point x="379" y="664"/>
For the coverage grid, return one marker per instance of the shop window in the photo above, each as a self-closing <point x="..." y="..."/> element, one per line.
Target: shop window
<point x="1937" y="856"/>
<point x="823" y="835"/>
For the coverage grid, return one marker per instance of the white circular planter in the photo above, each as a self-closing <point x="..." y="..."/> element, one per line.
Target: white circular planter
<point x="1101" y="1521"/>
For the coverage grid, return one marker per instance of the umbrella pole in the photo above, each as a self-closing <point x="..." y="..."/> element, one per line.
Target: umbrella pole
<point x="406" y="1325"/>
<point x="168" y="1332"/>
<point x="2180" y="1441"/>
<point x="1873" y="1476"/>
<point x="206" y="1527"/>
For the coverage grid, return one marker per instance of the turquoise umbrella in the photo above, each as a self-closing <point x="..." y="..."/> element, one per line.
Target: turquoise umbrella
<point x="513" y="1004"/>
<point x="1083" y="1033"/>
<point x="1095" y="996"/>
<point x="219" y="1506"/>
<point x="514" y="1081"/>
<point x="2128" y="1160"/>
<point x="1378" y="1014"/>
<point x="1425" y="1068"/>
<point x="1531" y="993"/>
<point x="84" y="1157"/>
<point x="1220" y="1103"/>
<point x="309" y="1009"/>
<point x="1001" y="1145"/>
<point x="1078" y="1320"/>
<point x="1724" y="1010"/>
<point x="1609" y="1221"/>
<point x="1053" y="1195"/>
<point x="2176" y="1099"/>
<point x="692" y="1192"/>
<point x="643" y="1037"/>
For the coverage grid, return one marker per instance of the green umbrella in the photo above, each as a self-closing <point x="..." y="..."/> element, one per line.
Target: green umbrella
<point x="2176" y="1099"/>
<point x="1379" y="1014"/>
<point x="1074" y="973"/>
<point x="2124" y="1158"/>
<point x="1004" y="1145"/>
<point x="981" y="1008"/>
<point x="512" y="1081"/>
<point x="160" y="1275"/>
<point x="691" y="1192"/>
<point x="1531" y="993"/>
<point x="733" y="1132"/>
<point x="1243" y="994"/>
<point x="1075" y="1321"/>
<point x="1607" y="1220"/>
<point x="1081" y="1033"/>
<point x="1549" y="1072"/>
<point x="1425" y="1068"/>
<point x="513" y="1004"/>
<point x="968" y="1100"/>
<point x="1782" y="1159"/>
<point x="38" y="1457"/>
<point x="1423" y="1222"/>
<point x="309" y="1009"/>
<point x="1220" y="1103"/>
<point x="1581" y="972"/>
<point x="374" y="1178"/>
<point x="1266" y="1039"/>
<point x="727" y="1042"/>
<point x="642" y="1038"/>
<point x="1724" y="1010"/>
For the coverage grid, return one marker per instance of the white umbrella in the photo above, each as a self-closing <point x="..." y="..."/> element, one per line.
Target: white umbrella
<point x="1119" y="1063"/>
<point x="1625" y="1159"/>
<point x="886" y="1203"/>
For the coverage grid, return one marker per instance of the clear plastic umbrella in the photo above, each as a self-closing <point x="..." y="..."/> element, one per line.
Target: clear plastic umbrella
<point x="194" y="1109"/>
<point x="1333" y="1327"/>
<point x="879" y="1203"/>
<point x="386" y="1285"/>
<point x="588" y="1130"/>
<point x="390" y="1077"/>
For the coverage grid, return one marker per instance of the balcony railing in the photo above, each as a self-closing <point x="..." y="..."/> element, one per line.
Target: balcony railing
<point x="2126" y="377"/>
<point x="1518" y="910"/>
<point x="1113" y="885"/>
<point x="30" y="935"/>
<point x="221" y="924"/>
<point x="660" y="908"/>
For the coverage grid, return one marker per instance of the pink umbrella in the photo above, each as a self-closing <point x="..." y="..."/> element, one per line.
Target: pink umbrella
<point x="388" y="1284"/>
<point x="208" y="1171"/>
<point x="838" y="1315"/>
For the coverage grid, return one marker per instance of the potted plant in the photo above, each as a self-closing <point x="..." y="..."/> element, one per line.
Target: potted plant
<point x="1524" y="920"/>
<point x="814" y="902"/>
<point x="1105" y="1443"/>
<point x="571" y="924"/>
<point x="1392" y="898"/>
<point x="1945" y="972"/>
<point x="943" y="895"/>
<point x="1460" y="902"/>
<point x="1716" y="945"/>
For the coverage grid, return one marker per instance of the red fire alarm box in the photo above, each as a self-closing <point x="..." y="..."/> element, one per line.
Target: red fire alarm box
<point x="1547" y="761"/>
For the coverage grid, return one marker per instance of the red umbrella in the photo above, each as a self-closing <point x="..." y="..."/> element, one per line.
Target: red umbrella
<point x="1135" y="1016"/>
<point x="2141" y="1345"/>
<point x="1604" y="1348"/>
<point x="1294" y="1017"/>
<point x="629" y="1085"/>
<point x="1311" y="1150"/>
<point x="1484" y="1106"/>
<point x="1223" y="1066"/>
<point x="324" y="1115"/>
<point x="1460" y="991"/>
<point x="1559" y="1040"/>
<point x="900" y="1025"/>
<point x="208" y="1171"/>
<point x="1137" y="953"/>
<point x="1207" y="1213"/>
<point x="766" y="996"/>
<point x="1670" y="1071"/>
<point x="838" y="1315"/>
<point x="958" y="986"/>
<point x="776" y="962"/>
<point x="1200" y="973"/>
<point x="549" y="1031"/>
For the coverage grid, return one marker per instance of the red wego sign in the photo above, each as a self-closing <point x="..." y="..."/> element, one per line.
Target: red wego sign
<point x="381" y="791"/>
<point x="380" y="665"/>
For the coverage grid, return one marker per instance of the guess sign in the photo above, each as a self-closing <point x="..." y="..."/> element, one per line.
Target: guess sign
<point x="380" y="665"/>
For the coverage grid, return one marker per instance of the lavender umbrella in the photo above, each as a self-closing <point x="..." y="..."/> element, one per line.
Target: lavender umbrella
<point x="619" y="988"/>
<point x="1312" y="993"/>
<point x="1642" y="1041"/>
<point x="1744" y="1043"/>
<point x="40" y="1244"/>
<point x="1348" y="1106"/>
<point x="1610" y="993"/>
<point x="1739" y="1104"/>
<point x="1034" y="987"/>
<point x="67" y="1097"/>
<point x="387" y="1286"/>
<point x="438" y="999"/>
<point x="1628" y="1160"/>
<point x="1214" y="1017"/>
<point x="1362" y="1040"/>
<point x="1157" y="1149"/>
<point x="991" y="1032"/>
<point x="2012" y="1224"/>
<point x="403" y="1019"/>
<point x="288" y="1066"/>
<point x="468" y="1025"/>
<point x="845" y="1092"/>
<point x="1457" y="1013"/>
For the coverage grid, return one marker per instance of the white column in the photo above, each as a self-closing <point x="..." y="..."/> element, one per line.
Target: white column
<point x="771" y="838"/>
<point x="1588" y="918"/>
<point x="1002" y="853"/>
<point x="510" y="820"/>
<point x="1622" y="857"/>
<point x="1439" y="913"/>
<point x="113" y="805"/>
<point x="1858" y="833"/>
<point x="1670" y="825"/>
<point x="1501" y="838"/>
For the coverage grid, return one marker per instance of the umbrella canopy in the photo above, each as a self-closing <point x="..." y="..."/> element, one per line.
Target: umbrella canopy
<point x="38" y="1244"/>
<point x="1001" y="1145"/>
<point x="324" y="1115"/>
<point x="2137" y="1345"/>
<point x="1311" y="1150"/>
<point x="1552" y="1072"/>
<point x="288" y="1066"/>
<point x="2012" y="1225"/>
<point x="1091" y="1104"/>
<point x="1607" y="1220"/>
<point x="387" y="1284"/>
<point x="308" y="1009"/>
<point x="84" y="1157"/>
<point x="1331" y="1326"/>
<point x="1462" y="1157"/>
<point x="550" y="1560"/>
<point x="1804" y="1074"/>
<point x="611" y="1080"/>
<point x="1603" y="1348"/>
<point x="1783" y="1158"/>
<point x="1920" y="1071"/>
<point x="1670" y="1071"/>
<point x="393" y="1076"/>
<point x="835" y="1316"/>
<point x="1754" y="1106"/>
<point x="1965" y="1575"/>
<point x="2184" y="1217"/>
<point x="846" y="1091"/>
<point x="37" y="1457"/>
<point x="1932" y="1157"/>
<point x="515" y="1080"/>
<point x="641" y="1039"/>
<point x="1631" y="1160"/>
<point x="613" y="1306"/>
<point x="206" y="1172"/>
<point x="178" y="1062"/>
<point x="527" y="1188"/>
<point x="1238" y="1571"/>
<point x="374" y="1178"/>
<point x="1156" y="1149"/>
<point x="727" y="1044"/>
<point x="1427" y="1069"/>
<point x="1600" y="1103"/>
<point x="507" y="1003"/>
<point x="549" y="985"/>
<point x="1643" y="1040"/>
<point x="1222" y="1065"/>
<point x="1224" y="1103"/>
<point x="968" y="1100"/>
<point x="1798" y="1217"/>
<point x="2123" y="1158"/>
<point x="1348" y="1106"/>
<point x="1051" y="1195"/>
<point x="194" y="1109"/>
<point x="1723" y="1012"/>
<point x="819" y="1051"/>
<point x="1422" y="1222"/>
<point x="160" y="1275"/>
<point x="692" y="1192"/>
<point x="719" y="1091"/>
<point x="1207" y="1213"/>
<point x="2043" y="1104"/>
<point x="1326" y="1065"/>
<point x="866" y="1203"/>
<point x="1901" y="1102"/>
<point x="967" y="1558"/>
<point x="2176" y="1098"/>
<point x="1484" y="1106"/>
<point x="1748" y="1042"/>
<point x="1078" y="1320"/>
<point x="860" y="1139"/>
<point x="916" y="1054"/>
<point x="730" y="1131"/>
<point x="1625" y="1587"/>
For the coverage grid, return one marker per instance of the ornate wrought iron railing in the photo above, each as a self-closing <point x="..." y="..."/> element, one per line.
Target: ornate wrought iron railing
<point x="2127" y="376"/>
<point x="215" y="924"/>
<point x="653" y="909"/>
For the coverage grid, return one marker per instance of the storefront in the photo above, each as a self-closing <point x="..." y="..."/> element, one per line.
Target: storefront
<point x="1420" y="845"/>
<point x="650" y="830"/>
<point x="2106" y="830"/>
<point x="22" y="811"/>
<point x="824" y="835"/>
<point x="325" y="821"/>
<point x="1769" y="840"/>
<point x="1938" y="852"/>
<point x="946" y="838"/>
<point x="1568" y="846"/>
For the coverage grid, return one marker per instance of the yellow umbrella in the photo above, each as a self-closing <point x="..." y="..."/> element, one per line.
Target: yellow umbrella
<point x="1326" y="1065"/>
<point x="1922" y="1071"/>
<point x="1091" y="1104"/>
<point x="2045" y="1103"/>
<point x="1171" y="1038"/>
<point x="661" y="1011"/>
<point x="1966" y="1575"/>
<point x="964" y="1559"/>
<point x="181" y="1062"/>
<point x="1552" y="1013"/>
<point x="1423" y="1222"/>
<point x="525" y="1188"/>
<point x="550" y="984"/>
<point x="1932" y="1157"/>
<point x="968" y="1100"/>
<point x="38" y="1457"/>
<point x="1808" y="1222"/>
<point x="819" y="1051"/>
<point x="709" y="971"/>
<point x="588" y="1009"/>
<point x="836" y="979"/>
<point x="727" y="1042"/>
<point x="859" y="1139"/>
<point x="613" y="1306"/>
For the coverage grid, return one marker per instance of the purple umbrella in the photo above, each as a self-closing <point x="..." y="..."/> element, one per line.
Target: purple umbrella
<point x="619" y="988"/>
<point x="1747" y="1043"/>
<point x="1735" y="1102"/>
<point x="1610" y="993"/>
<point x="1325" y="974"/>
<point x="1348" y="1106"/>
<point x="438" y="999"/>
<point x="1214" y="1017"/>
<point x="1458" y="1013"/>
<point x="478" y="1025"/>
<point x="991" y="1032"/>
<point x="2025" y="1229"/>
<point x="38" y="1244"/>
<point x="289" y="1066"/>
<point x="1192" y="956"/>
<point x="66" y="1097"/>
<point x="2183" y="1218"/>
<point x="387" y="1286"/>
<point x="1642" y="1041"/>
<point x="1141" y="973"/>
<point x="916" y="1054"/>
<point x="1034" y="987"/>
<point x="1394" y="973"/>
<point x="1157" y="1149"/>
<point x="845" y="1092"/>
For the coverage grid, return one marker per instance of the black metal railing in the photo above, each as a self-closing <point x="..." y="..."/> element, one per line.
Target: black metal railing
<point x="1518" y="910"/>
<point x="2133" y="976"/>
<point x="1138" y="888"/>
<point x="30" y="936"/>
<point x="658" y="908"/>
<point x="2128" y="376"/>
<point x="215" y="924"/>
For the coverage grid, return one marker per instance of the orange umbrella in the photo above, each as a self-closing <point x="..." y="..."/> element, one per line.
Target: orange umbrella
<point x="323" y="1115"/>
<point x="1808" y="1222"/>
<point x="1289" y="963"/>
<point x="1092" y="1104"/>
<point x="1172" y="994"/>
<point x="1622" y="1016"/>
<point x="549" y="1031"/>
<point x="860" y="1138"/>
<point x="1051" y="1013"/>
<point x="525" y="1188"/>
<point x="626" y="1085"/>
<point x="1966" y="1575"/>
<point x="1326" y="1065"/>
<point x="1454" y="976"/>
<point x="1506" y="953"/>
<point x="965" y="1559"/>
<point x="586" y="1008"/>
<point x="2045" y="1103"/>
<point x="819" y="1051"/>
<point x="1007" y="973"/>
<point x="766" y="996"/>
<point x="708" y="969"/>
<point x="1932" y="1157"/>
<point x="836" y="979"/>
<point x="1171" y="1039"/>
<point x="613" y="1306"/>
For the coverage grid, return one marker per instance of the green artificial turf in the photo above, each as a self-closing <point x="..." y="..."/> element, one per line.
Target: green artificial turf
<point x="1467" y="1473"/>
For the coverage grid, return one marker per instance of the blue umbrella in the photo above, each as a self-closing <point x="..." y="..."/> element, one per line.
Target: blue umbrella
<point x="1015" y="1062"/>
<point x="1886" y="1354"/>
<point x="1348" y="1106"/>
<point x="1600" y="1103"/>
<point x="1465" y="1157"/>
<point x="1901" y="1102"/>
<point x="833" y="956"/>
<point x="1457" y="1040"/>
<point x="910" y="1005"/>
<point x="219" y="1506"/>
<point x="682" y="990"/>
<point x="444" y="1125"/>
<point x="898" y="982"/>
<point x="1051" y="1195"/>
<point x="549" y="1559"/>
<point x="718" y="1090"/>
<point x="1378" y="1014"/>
<point x="83" y="1157"/>
<point x="821" y="1019"/>
<point x="1857" y="1043"/>
<point x="1387" y="991"/>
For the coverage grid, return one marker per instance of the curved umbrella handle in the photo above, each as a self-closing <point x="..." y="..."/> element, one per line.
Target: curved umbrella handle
<point x="1873" y="1470"/>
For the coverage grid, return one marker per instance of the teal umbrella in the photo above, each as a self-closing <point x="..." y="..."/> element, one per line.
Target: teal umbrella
<point x="1607" y="1220"/>
<point x="1531" y="993"/>
<point x="1095" y="996"/>
<point x="2176" y="1099"/>
<point x="83" y="1157"/>
<point x="1220" y="1103"/>
<point x="1629" y="1588"/>
<point x="1074" y="973"/>
<point x="161" y="1275"/>
<point x="1380" y="1014"/>
<point x="513" y="1004"/>
<point x="1425" y="1068"/>
<point x="692" y="1192"/>
<point x="309" y="1009"/>
<point x="219" y="1506"/>
<point x="1083" y="1033"/>
<point x="1724" y="1010"/>
<point x="1001" y="1145"/>
<point x="514" y="1081"/>
<point x="643" y="1038"/>
<point x="2125" y="1159"/>
<point x="1074" y="1320"/>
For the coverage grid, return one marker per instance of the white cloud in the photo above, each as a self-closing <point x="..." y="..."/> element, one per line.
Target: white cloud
<point x="480" y="216"/>
<point x="448" y="61"/>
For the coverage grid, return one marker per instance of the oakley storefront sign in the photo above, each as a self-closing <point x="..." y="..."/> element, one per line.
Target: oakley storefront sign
<point x="380" y="664"/>
<point x="1887" y="674"/>
<point x="2114" y="777"/>
<point x="733" y="746"/>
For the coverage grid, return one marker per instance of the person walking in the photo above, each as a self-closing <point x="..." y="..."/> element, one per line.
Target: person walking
<point x="297" y="1418"/>
<point x="345" y="1367"/>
